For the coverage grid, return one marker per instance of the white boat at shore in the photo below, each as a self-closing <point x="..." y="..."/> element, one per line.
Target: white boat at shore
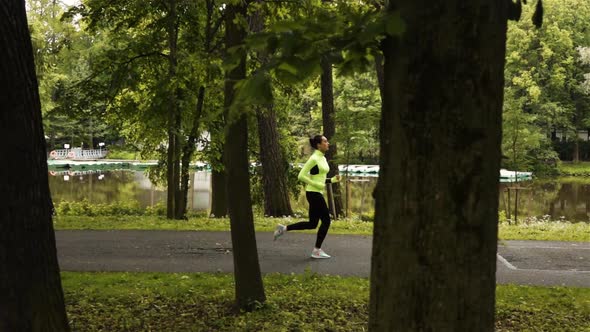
<point x="514" y="176"/>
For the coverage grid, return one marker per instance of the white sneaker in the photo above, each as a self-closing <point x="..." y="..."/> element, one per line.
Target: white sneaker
<point x="279" y="231"/>
<point x="319" y="253"/>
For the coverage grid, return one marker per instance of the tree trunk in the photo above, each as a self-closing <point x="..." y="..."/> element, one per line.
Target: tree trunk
<point x="171" y="191"/>
<point x="218" y="181"/>
<point x="576" y="150"/>
<point x="274" y="166"/>
<point x="218" y="194"/>
<point x="30" y="286"/>
<point x="380" y="74"/>
<point x="329" y="123"/>
<point x="179" y="206"/>
<point x="434" y="246"/>
<point x="173" y="158"/>
<point x="248" y="286"/>
<point x="188" y="151"/>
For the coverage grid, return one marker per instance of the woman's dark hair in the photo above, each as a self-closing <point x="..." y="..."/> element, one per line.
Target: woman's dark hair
<point x="317" y="139"/>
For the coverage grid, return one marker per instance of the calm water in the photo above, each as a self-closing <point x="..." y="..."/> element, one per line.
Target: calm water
<point x="559" y="198"/>
<point x="126" y="186"/>
<point x="113" y="186"/>
<point x="564" y="198"/>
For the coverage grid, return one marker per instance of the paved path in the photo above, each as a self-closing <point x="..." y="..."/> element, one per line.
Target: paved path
<point x="520" y="262"/>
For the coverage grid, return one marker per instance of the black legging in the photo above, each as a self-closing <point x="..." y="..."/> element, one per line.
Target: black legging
<point x="318" y="209"/>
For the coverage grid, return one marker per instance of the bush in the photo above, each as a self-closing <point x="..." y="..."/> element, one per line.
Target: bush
<point x="158" y="209"/>
<point x="85" y="208"/>
<point x="122" y="152"/>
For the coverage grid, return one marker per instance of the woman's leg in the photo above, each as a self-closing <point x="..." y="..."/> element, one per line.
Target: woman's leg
<point x="325" y="217"/>
<point x="315" y="212"/>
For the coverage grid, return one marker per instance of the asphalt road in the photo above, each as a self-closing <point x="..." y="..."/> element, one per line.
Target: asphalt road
<point x="519" y="262"/>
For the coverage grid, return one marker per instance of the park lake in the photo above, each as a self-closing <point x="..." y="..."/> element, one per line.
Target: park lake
<point x="555" y="198"/>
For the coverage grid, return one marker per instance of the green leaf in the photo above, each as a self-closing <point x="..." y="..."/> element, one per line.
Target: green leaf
<point x="259" y="41"/>
<point x="255" y="89"/>
<point x="288" y="67"/>
<point x="286" y="26"/>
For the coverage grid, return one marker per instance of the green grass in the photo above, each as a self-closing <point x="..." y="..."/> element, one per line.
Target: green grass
<point x="570" y="169"/>
<point x="308" y="302"/>
<point x="550" y="231"/>
<point x="546" y="231"/>
<point x="526" y="308"/>
<point x="195" y="224"/>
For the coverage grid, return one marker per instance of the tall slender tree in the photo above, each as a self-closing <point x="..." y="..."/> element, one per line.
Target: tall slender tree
<point x="435" y="237"/>
<point x="173" y="158"/>
<point x="32" y="296"/>
<point x="188" y="151"/>
<point x="329" y="124"/>
<point x="209" y="52"/>
<point x="274" y="165"/>
<point x="150" y="83"/>
<point x="248" y="280"/>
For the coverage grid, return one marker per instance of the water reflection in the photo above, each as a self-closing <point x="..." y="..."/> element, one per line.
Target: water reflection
<point x="567" y="198"/>
<point x="107" y="187"/>
<point x="564" y="198"/>
<point x="122" y="186"/>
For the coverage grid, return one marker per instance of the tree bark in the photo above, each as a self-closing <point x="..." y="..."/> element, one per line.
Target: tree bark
<point x="248" y="279"/>
<point x="31" y="293"/>
<point x="576" y="149"/>
<point x="329" y="123"/>
<point x="435" y="236"/>
<point x="179" y="206"/>
<point x="218" y="181"/>
<point x="380" y="73"/>
<point x="173" y="160"/>
<point x="218" y="194"/>
<point x="188" y="151"/>
<point x="274" y="166"/>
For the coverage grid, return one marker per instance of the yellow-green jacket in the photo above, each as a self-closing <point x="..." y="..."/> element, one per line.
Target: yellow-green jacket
<point x="314" y="173"/>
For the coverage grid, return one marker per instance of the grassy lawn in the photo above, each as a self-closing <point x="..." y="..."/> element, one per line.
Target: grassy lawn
<point x="546" y="231"/>
<point x="308" y="302"/>
<point x="195" y="224"/>
<point x="555" y="231"/>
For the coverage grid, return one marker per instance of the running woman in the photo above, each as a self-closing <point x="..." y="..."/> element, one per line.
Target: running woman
<point x="313" y="174"/>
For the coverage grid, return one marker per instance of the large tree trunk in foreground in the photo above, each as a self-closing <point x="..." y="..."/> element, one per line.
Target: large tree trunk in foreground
<point x="249" y="287"/>
<point x="380" y="74"/>
<point x="435" y="237"/>
<point x="329" y="123"/>
<point x="31" y="297"/>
